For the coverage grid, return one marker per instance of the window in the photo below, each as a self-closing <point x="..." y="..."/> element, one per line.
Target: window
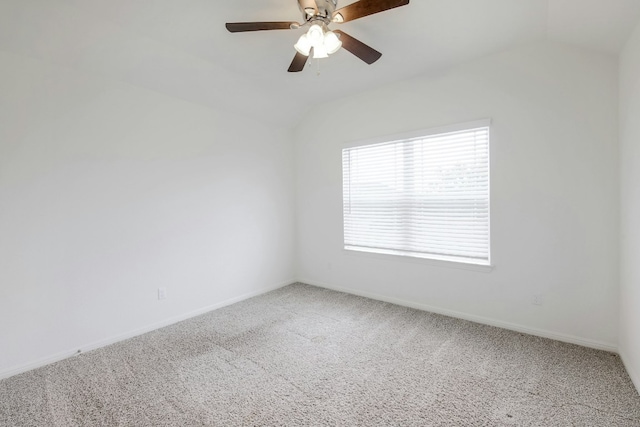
<point x="425" y="197"/>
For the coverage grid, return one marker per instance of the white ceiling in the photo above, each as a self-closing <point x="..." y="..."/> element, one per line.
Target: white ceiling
<point x="181" y="48"/>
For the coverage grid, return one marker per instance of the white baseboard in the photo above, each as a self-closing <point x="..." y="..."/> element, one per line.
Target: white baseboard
<point x="134" y="333"/>
<point x="473" y="318"/>
<point x="635" y="377"/>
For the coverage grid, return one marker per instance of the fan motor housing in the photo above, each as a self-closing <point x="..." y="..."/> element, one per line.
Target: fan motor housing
<point x="325" y="9"/>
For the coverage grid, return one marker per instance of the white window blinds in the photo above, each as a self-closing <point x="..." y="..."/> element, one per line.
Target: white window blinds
<point x="426" y="197"/>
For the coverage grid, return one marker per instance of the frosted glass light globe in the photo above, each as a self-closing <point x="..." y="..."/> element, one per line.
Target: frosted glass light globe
<point x="315" y="35"/>
<point x="331" y="42"/>
<point x="304" y="45"/>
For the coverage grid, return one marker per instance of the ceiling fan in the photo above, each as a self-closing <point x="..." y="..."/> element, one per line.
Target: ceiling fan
<point x="319" y="41"/>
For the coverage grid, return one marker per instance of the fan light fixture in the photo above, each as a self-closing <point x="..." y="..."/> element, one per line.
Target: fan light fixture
<point x="323" y="42"/>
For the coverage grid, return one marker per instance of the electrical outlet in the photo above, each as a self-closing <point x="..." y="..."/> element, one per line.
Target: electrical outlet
<point x="162" y="293"/>
<point x="537" y="299"/>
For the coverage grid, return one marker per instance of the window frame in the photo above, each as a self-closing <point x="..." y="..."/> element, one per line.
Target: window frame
<point x="431" y="258"/>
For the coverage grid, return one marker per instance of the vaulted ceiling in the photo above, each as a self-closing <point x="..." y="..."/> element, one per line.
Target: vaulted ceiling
<point x="181" y="48"/>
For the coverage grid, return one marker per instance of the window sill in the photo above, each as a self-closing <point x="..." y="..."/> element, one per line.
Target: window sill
<point x="431" y="260"/>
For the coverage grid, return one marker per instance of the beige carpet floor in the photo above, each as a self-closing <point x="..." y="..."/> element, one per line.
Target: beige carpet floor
<point x="302" y="355"/>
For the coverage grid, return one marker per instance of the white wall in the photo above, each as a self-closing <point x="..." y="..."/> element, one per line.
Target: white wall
<point x="630" y="202"/>
<point x="108" y="192"/>
<point x="554" y="192"/>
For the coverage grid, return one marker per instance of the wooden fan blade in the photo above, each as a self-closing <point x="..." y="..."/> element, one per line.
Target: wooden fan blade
<point x="364" y="8"/>
<point x="298" y="63"/>
<point x="240" y="27"/>
<point x="308" y="5"/>
<point x="359" y="49"/>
